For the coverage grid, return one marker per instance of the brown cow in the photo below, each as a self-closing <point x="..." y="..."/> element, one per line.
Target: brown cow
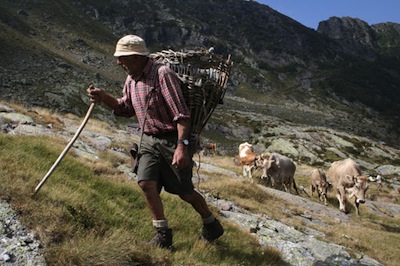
<point x="280" y="169"/>
<point x="248" y="160"/>
<point x="320" y="184"/>
<point x="346" y="177"/>
<point x="209" y="148"/>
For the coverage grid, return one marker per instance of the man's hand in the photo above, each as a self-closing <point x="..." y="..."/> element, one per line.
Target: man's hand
<point x="97" y="95"/>
<point x="181" y="157"/>
<point x="94" y="94"/>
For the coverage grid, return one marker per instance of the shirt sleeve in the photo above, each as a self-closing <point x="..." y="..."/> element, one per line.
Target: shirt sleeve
<point x="172" y="93"/>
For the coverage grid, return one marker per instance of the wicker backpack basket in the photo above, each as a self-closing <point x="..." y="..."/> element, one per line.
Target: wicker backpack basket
<point x="205" y="77"/>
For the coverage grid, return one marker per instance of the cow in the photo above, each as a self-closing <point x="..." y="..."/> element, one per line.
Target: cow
<point x="320" y="184"/>
<point x="248" y="160"/>
<point x="209" y="148"/>
<point x="347" y="178"/>
<point x="264" y="164"/>
<point x="280" y="169"/>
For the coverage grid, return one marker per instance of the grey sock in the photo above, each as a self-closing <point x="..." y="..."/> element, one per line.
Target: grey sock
<point x="160" y="223"/>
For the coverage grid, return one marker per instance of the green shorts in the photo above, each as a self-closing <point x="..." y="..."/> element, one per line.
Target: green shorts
<point x="155" y="163"/>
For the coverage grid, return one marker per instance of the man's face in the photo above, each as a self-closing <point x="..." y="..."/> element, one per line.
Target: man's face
<point x="130" y="64"/>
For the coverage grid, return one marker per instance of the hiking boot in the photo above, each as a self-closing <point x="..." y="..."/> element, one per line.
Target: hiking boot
<point x="212" y="231"/>
<point x="162" y="239"/>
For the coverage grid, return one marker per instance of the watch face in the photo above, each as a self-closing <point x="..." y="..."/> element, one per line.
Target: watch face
<point x="184" y="142"/>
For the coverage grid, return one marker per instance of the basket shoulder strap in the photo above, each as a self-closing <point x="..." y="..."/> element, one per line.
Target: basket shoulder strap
<point x="148" y="98"/>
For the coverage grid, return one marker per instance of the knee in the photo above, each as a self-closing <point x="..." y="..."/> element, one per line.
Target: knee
<point x="147" y="185"/>
<point x="190" y="198"/>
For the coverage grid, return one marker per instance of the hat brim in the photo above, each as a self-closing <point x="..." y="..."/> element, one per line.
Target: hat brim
<point x="118" y="54"/>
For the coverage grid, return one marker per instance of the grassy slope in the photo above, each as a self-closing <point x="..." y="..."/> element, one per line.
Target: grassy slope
<point x="87" y="213"/>
<point x="90" y="215"/>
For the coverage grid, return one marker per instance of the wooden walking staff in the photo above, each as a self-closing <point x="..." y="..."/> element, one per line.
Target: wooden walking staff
<point x="66" y="148"/>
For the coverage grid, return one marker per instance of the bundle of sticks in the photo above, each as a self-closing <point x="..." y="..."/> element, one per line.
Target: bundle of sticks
<point x="205" y="77"/>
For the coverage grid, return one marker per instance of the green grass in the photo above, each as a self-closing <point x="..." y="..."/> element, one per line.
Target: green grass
<point x="87" y="214"/>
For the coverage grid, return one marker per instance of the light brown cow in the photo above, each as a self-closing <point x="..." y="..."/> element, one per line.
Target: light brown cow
<point x="209" y="148"/>
<point x="280" y="169"/>
<point x="248" y="160"/>
<point x="346" y="178"/>
<point x="320" y="184"/>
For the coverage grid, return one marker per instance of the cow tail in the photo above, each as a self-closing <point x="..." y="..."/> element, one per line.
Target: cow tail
<point x="295" y="187"/>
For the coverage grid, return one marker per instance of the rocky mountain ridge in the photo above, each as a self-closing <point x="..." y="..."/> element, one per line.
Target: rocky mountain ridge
<point x="52" y="51"/>
<point x="356" y="37"/>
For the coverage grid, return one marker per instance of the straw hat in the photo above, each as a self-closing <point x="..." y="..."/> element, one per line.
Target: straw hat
<point x="131" y="45"/>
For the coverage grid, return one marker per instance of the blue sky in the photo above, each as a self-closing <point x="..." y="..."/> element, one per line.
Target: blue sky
<point x="311" y="12"/>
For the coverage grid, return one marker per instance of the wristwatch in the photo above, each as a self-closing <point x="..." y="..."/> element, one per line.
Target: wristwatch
<point x="184" y="142"/>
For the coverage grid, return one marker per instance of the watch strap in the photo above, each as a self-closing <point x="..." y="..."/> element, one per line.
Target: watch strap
<point x="183" y="141"/>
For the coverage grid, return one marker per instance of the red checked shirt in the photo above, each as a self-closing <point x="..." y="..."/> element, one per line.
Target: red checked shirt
<point x="166" y="105"/>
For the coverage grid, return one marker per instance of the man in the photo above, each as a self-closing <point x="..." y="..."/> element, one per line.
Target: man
<point x="379" y="182"/>
<point x="165" y="152"/>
